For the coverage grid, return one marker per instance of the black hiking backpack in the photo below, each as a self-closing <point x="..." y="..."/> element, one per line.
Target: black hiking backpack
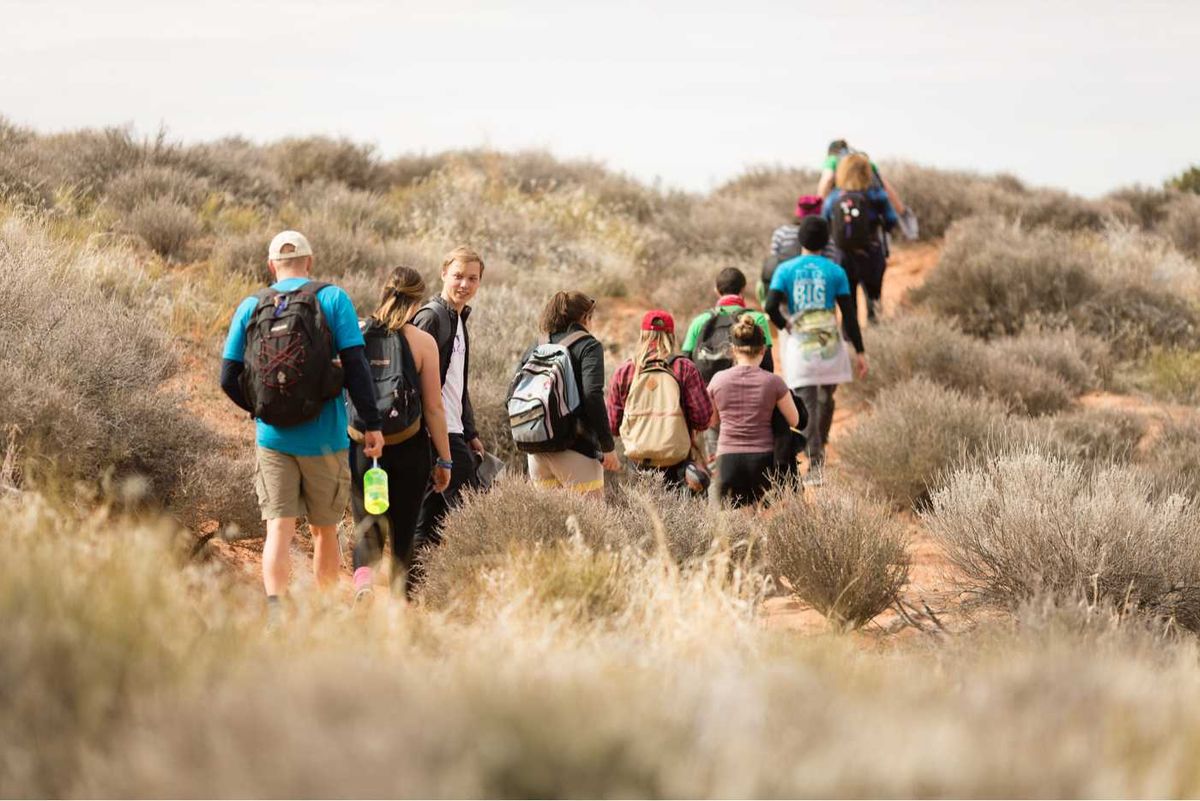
<point x="853" y="223"/>
<point x="290" y="369"/>
<point x="397" y="383"/>
<point x="714" y="346"/>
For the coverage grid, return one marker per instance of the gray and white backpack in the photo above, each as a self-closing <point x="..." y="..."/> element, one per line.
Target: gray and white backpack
<point x="544" y="400"/>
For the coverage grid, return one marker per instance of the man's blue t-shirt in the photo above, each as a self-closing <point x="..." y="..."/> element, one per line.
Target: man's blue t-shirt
<point x="810" y="283"/>
<point x="326" y="433"/>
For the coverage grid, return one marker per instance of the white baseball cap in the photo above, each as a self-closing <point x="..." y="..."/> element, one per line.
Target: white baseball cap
<point x="295" y="239"/>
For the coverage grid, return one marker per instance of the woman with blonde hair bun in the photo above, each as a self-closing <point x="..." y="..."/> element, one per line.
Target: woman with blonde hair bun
<point x="860" y="216"/>
<point x="405" y="366"/>
<point x="744" y="400"/>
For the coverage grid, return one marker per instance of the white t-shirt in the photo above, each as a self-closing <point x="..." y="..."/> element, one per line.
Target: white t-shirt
<point x="452" y="390"/>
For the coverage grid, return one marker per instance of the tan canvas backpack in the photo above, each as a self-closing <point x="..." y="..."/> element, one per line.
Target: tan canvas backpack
<point x="654" y="428"/>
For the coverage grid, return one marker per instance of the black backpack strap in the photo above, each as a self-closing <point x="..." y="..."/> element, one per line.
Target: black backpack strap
<point x="710" y="324"/>
<point x="313" y="287"/>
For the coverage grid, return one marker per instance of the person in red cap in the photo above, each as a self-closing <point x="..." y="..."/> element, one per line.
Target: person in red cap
<point x="657" y="402"/>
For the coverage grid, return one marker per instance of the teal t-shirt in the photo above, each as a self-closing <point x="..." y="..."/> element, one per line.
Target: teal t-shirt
<point x="325" y="433"/>
<point x="810" y="283"/>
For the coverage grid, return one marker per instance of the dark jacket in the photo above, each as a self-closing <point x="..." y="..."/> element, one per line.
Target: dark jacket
<point x="439" y="319"/>
<point x="587" y="360"/>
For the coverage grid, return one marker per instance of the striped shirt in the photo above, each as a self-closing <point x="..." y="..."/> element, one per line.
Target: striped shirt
<point x="785" y="242"/>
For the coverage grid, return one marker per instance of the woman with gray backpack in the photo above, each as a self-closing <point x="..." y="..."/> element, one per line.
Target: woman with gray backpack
<point x="405" y="368"/>
<point x="556" y="401"/>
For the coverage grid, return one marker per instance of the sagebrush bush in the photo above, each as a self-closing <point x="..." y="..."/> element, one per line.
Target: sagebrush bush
<point x="1172" y="375"/>
<point x="166" y="227"/>
<point x="317" y="159"/>
<point x="82" y="371"/>
<point x="1182" y="224"/>
<point x="1027" y="524"/>
<point x="1082" y="361"/>
<point x="916" y="433"/>
<point x="921" y="346"/>
<point x="842" y="554"/>
<point x="995" y="279"/>
<point x="513" y="515"/>
<point x="129" y="190"/>
<point x="1173" y="460"/>
<point x="1091" y="436"/>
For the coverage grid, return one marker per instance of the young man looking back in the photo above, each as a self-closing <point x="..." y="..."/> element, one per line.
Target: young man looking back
<point x="303" y="469"/>
<point x="445" y="318"/>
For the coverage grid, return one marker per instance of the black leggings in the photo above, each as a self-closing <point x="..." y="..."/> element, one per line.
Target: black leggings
<point x="866" y="268"/>
<point x="745" y="477"/>
<point x="408" y="465"/>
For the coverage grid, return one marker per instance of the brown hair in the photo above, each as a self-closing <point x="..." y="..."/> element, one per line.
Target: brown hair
<point x="747" y="337"/>
<point x="402" y="296"/>
<point x="463" y="255"/>
<point x="854" y="173"/>
<point x="563" y="309"/>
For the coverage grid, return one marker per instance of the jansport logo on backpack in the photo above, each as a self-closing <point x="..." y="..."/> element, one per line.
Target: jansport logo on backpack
<point x="654" y="428"/>
<point x="397" y="384"/>
<point x="290" y="369"/>
<point x="714" y="351"/>
<point x="852" y="223"/>
<point x="543" y="400"/>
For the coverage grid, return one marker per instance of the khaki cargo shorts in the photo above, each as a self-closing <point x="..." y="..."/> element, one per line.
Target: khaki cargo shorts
<point x="316" y="487"/>
<point x="566" y="469"/>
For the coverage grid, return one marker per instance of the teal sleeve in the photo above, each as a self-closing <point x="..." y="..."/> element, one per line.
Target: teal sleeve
<point x="343" y="319"/>
<point x="235" y="342"/>
<point x="780" y="280"/>
<point x="693" y="332"/>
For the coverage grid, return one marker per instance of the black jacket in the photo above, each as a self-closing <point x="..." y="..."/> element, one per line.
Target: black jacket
<point x="439" y="319"/>
<point x="587" y="360"/>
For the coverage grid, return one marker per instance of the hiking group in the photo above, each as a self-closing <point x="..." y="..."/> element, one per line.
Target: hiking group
<point x="334" y="397"/>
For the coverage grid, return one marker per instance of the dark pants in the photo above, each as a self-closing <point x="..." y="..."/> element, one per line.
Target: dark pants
<point x="866" y="268"/>
<point x="407" y="465"/>
<point x="745" y="477"/>
<point x="437" y="504"/>
<point x="818" y="402"/>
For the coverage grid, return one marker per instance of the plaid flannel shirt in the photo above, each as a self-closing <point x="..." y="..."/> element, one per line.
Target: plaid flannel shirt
<point x="697" y="405"/>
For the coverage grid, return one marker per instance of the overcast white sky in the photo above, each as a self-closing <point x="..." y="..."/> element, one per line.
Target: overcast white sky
<point x="1083" y="95"/>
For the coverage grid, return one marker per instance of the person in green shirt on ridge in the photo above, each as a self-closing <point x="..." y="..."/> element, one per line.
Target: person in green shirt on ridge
<point x="707" y="337"/>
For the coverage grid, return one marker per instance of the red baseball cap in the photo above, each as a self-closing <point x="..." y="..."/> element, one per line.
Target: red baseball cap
<point x="658" y="320"/>
<point x="808" y="205"/>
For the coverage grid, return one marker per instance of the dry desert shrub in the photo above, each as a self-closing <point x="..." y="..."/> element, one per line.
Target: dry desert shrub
<point x="166" y="226"/>
<point x="921" y="346"/>
<point x="1082" y="361"/>
<point x="842" y="554"/>
<point x="320" y="159"/>
<point x="119" y="621"/>
<point x="1182" y="224"/>
<point x="1027" y="524"/>
<point x="996" y="279"/>
<point x="82" y="370"/>
<point x="151" y="183"/>
<point x="1098" y="437"/>
<point x="1173" y="461"/>
<point x="917" y="433"/>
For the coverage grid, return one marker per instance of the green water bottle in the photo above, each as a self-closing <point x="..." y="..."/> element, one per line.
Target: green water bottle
<point x="375" y="490"/>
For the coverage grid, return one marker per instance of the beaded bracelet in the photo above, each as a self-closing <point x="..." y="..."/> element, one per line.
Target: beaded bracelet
<point x="445" y="464"/>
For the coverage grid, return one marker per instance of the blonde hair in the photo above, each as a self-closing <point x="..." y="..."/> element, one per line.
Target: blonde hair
<point x="464" y="255"/>
<point x="854" y="173"/>
<point x="747" y="330"/>
<point x="654" y="345"/>
<point x="402" y="296"/>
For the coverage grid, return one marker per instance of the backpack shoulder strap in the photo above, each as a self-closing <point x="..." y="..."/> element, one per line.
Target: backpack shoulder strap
<point x="710" y="324"/>
<point x="313" y="287"/>
<point x="573" y="337"/>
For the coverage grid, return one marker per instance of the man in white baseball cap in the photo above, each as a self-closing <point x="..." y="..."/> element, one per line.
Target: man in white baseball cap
<point x="279" y="250"/>
<point x="281" y="364"/>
